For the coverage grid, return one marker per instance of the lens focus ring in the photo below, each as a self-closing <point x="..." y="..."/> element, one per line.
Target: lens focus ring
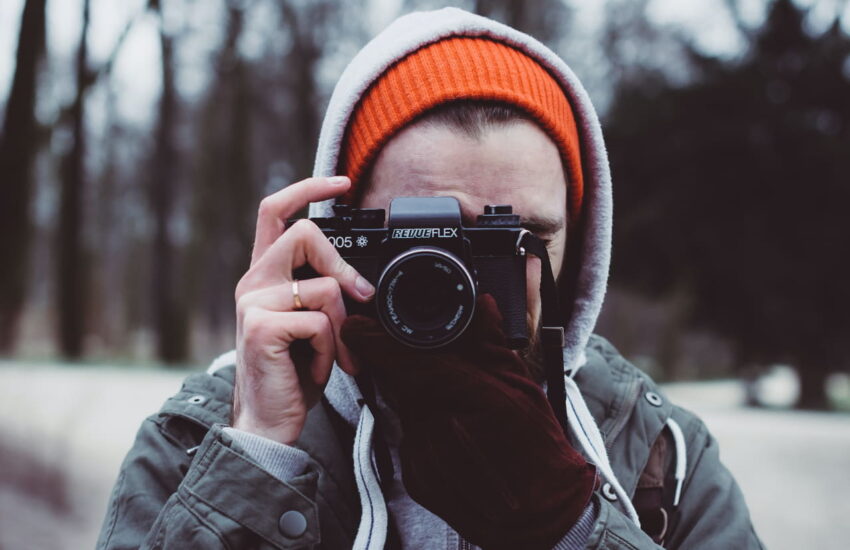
<point x="425" y="297"/>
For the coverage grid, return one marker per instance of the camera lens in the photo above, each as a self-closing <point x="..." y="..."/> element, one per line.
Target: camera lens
<point x="426" y="297"/>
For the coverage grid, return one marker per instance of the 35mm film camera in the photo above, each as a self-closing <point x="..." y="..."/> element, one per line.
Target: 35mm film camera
<point x="428" y="268"/>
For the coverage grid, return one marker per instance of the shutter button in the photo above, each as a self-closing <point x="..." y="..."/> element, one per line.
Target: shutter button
<point x="292" y="524"/>
<point x="653" y="398"/>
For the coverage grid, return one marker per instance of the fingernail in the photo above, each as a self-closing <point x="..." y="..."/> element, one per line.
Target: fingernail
<point x="338" y="180"/>
<point x="364" y="287"/>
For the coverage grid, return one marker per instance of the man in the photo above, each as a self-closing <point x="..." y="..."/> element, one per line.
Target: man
<point x="367" y="443"/>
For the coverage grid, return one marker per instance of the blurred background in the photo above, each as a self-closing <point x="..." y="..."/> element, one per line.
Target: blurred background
<point x="138" y="138"/>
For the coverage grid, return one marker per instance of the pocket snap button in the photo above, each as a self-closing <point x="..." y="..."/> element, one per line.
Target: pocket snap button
<point x="292" y="524"/>
<point x="654" y="399"/>
<point x="608" y="492"/>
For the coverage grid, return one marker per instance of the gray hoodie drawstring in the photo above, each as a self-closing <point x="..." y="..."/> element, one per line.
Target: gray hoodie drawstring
<point x="589" y="437"/>
<point x="372" y="531"/>
<point x="681" y="457"/>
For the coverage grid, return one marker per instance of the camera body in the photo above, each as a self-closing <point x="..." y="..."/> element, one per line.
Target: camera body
<point x="428" y="268"/>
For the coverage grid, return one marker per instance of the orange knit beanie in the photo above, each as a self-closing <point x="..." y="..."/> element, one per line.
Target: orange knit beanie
<point x="460" y="68"/>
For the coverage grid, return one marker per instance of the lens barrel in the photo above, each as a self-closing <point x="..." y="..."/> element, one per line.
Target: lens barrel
<point x="425" y="297"/>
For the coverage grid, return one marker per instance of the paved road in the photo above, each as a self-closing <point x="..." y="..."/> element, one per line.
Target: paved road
<point x="64" y="431"/>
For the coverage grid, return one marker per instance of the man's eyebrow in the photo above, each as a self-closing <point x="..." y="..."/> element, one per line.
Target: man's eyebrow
<point x="538" y="224"/>
<point x="542" y="225"/>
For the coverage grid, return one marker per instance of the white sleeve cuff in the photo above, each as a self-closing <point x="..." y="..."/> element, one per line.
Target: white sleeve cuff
<point x="282" y="461"/>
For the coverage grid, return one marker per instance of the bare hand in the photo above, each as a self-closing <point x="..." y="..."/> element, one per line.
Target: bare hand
<point x="275" y="387"/>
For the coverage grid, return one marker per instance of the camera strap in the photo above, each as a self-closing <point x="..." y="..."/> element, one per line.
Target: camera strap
<point x="552" y="329"/>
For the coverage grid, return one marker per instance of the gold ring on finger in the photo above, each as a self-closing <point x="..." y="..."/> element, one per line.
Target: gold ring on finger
<point x="296" y="297"/>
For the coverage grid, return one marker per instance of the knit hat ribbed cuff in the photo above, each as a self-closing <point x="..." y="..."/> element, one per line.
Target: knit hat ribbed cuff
<point x="453" y="69"/>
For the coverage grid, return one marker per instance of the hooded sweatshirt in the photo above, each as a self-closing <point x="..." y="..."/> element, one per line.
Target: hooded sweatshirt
<point x="413" y="31"/>
<point x="417" y="527"/>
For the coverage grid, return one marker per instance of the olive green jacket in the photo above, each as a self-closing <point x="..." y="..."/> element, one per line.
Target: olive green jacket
<point x="186" y="484"/>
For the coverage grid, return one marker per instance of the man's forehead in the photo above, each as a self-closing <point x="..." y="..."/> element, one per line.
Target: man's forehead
<point x="516" y="164"/>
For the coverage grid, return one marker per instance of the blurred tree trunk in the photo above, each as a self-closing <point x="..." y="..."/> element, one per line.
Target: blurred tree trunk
<point x="240" y="191"/>
<point x="170" y="318"/>
<point x="545" y="20"/>
<point x="18" y="147"/>
<point x="112" y="255"/>
<point x="301" y="62"/>
<point x="71" y="275"/>
<point x="224" y="192"/>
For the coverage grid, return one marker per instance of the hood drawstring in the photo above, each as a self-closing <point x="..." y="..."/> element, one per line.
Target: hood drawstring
<point x="681" y="457"/>
<point x="372" y="531"/>
<point x="590" y="438"/>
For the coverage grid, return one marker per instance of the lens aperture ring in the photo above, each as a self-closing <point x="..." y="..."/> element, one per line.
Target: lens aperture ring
<point x="425" y="297"/>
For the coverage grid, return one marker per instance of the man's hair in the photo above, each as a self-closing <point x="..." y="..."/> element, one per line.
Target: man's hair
<point x="474" y="117"/>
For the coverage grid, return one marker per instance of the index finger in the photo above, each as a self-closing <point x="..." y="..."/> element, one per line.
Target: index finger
<point x="276" y="208"/>
<point x="305" y="244"/>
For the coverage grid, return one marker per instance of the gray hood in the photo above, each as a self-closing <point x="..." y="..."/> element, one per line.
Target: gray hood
<point x="416" y="30"/>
